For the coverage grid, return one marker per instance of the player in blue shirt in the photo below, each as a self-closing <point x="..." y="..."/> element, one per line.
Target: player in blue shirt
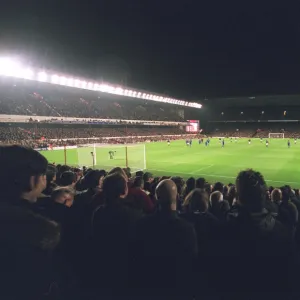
<point x="289" y="144"/>
<point x="267" y="143"/>
<point x="223" y="143"/>
<point x="168" y="141"/>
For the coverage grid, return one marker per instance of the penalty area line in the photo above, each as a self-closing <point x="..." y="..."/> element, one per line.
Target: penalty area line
<point x="204" y="168"/>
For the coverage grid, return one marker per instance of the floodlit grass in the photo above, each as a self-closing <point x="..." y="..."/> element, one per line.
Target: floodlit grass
<point x="278" y="163"/>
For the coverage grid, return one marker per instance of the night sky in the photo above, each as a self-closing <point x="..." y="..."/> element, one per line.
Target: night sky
<point x="187" y="49"/>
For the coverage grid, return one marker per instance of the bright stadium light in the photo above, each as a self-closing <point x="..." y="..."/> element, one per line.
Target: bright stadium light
<point x="70" y="82"/>
<point x="104" y="87"/>
<point x="42" y="76"/>
<point x="77" y="83"/>
<point x="8" y="67"/>
<point x="13" y="68"/>
<point x="119" y="91"/>
<point x="28" y="74"/>
<point x="54" y="79"/>
<point x="62" y="80"/>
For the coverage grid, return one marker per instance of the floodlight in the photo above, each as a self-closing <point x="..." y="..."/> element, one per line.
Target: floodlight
<point x="28" y="74"/>
<point x="102" y="87"/>
<point x="8" y="67"/>
<point x="54" y="79"/>
<point x="110" y="89"/>
<point x="77" y="83"/>
<point x="42" y="76"/>
<point x="70" y="82"/>
<point x="62" y="80"/>
<point x="119" y="91"/>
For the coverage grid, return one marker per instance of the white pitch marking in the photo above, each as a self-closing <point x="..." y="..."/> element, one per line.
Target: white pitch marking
<point x="216" y="175"/>
<point x="207" y="167"/>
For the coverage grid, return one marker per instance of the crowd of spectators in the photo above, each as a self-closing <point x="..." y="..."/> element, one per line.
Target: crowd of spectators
<point x="88" y="234"/>
<point x="253" y="130"/>
<point x="38" y="100"/>
<point x="33" y="136"/>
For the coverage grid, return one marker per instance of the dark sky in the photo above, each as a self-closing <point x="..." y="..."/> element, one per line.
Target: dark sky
<point x="188" y="49"/>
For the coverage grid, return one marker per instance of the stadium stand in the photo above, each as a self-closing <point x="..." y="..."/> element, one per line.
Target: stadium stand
<point x="35" y="99"/>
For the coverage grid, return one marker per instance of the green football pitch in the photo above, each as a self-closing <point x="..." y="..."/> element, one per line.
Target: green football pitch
<point x="279" y="164"/>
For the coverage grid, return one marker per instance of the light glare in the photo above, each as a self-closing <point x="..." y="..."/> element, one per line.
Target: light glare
<point x="42" y="76"/>
<point x="54" y="79"/>
<point x="10" y="67"/>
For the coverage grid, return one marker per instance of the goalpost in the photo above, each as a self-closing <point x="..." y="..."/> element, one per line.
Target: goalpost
<point x="276" y="135"/>
<point x="108" y="156"/>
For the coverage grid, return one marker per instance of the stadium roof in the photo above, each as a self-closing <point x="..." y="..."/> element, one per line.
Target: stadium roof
<point x="255" y="101"/>
<point x="14" y="68"/>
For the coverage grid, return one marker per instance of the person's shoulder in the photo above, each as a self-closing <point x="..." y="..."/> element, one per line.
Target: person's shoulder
<point x="29" y="227"/>
<point x="182" y="223"/>
<point x="133" y="213"/>
<point x="118" y="211"/>
<point x="144" y="220"/>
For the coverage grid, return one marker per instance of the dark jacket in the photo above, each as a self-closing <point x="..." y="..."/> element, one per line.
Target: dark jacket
<point x="249" y="247"/>
<point x="271" y="207"/>
<point x="164" y="247"/>
<point x="288" y="215"/>
<point x="27" y="242"/>
<point x="111" y="226"/>
<point x="220" y="210"/>
<point x="206" y="226"/>
<point x="82" y="200"/>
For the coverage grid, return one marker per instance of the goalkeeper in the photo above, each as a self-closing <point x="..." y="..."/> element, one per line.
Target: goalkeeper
<point x="111" y="154"/>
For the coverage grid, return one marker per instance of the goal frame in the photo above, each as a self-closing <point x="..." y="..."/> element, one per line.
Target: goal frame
<point x="126" y="147"/>
<point x="276" y="133"/>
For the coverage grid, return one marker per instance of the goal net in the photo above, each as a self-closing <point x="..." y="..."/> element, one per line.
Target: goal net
<point x="109" y="156"/>
<point x="276" y="135"/>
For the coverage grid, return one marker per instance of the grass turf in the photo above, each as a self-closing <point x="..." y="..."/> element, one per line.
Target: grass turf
<point x="278" y="163"/>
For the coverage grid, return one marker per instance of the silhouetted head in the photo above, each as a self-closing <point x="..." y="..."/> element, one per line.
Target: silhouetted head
<point x="166" y="194"/>
<point x="251" y="190"/>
